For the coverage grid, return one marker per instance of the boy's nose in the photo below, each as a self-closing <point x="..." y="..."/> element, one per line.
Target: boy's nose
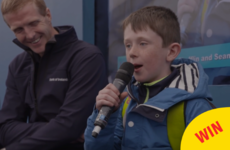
<point x="133" y="52"/>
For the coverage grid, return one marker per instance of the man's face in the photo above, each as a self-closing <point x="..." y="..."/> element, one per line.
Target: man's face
<point x="144" y="50"/>
<point x="30" y="27"/>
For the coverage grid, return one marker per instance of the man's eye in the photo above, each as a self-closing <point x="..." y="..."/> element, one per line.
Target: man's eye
<point x="18" y="30"/>
<point x="34" y="23"/>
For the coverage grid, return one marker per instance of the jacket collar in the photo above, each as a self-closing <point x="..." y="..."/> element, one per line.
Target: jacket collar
<point x="190" y="84"/>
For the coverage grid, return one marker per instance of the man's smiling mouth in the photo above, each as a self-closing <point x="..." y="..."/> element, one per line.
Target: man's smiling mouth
<point x="36" y="41"/>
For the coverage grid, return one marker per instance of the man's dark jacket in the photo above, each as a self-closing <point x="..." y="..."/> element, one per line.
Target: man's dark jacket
<point x="55" y="94"/>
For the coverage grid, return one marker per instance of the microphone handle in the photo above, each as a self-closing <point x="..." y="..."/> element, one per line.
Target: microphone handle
<point x="101" y="120"/>
<point x="106" y="111"/>
<point x="119" y="84"/>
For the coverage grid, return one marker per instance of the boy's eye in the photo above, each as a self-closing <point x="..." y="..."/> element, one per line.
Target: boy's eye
<point x="128" y="46"/>
<point x="143" y="44"/>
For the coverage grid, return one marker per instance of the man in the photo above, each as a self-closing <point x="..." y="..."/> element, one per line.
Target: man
<point x="51" y="87"/>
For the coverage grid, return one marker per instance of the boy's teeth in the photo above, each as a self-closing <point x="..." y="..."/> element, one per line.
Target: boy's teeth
<point x="35" y="41"/>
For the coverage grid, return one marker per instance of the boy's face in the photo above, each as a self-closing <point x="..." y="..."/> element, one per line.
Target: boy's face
<point x="144" y="50"/>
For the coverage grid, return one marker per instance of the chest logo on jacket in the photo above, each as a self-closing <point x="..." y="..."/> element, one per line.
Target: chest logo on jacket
<point x="58" y="79"/>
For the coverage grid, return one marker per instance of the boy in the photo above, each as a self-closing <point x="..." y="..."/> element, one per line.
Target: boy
<point x="151" y="38"/>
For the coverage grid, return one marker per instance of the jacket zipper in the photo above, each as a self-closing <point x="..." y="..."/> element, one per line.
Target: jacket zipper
<point x="36" y="105"/>
<point x="42" y="82"/>
<point x="34" y="94"/>
<point x="131" y="95"/>
<point x="32" y="86"/>
<point x="138" y="104"/>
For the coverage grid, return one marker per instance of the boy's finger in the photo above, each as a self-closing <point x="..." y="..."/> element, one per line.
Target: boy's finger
<point x="101" y="103"/>
<point x="110" y="93"/>
<point x="113" y="88"/>
<point x="123" y="96"/>
<point x="107" y="98"/>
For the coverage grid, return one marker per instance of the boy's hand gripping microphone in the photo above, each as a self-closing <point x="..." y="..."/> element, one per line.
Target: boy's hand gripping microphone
<point x="123" y="77"/>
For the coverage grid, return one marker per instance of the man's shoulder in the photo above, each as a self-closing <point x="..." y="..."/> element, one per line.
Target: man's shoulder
<point x="81" y="49"/>
<point x="20" y="59"/>
<point x="86" y="47"/>
<point x="68" y="38"/>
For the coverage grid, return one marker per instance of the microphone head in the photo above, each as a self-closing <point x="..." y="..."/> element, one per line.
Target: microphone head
<point x="125" y="72"/>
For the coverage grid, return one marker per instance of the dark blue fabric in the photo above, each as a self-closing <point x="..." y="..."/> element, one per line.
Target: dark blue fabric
<point x="218" y="76"/>
<point x="70" y="74"/>
<point x="88" y="21"/>
<point x="101" y="27"/>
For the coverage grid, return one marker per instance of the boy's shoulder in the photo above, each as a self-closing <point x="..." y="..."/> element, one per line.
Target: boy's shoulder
<point x="195" y="107"/>
<point x="198" y="103"/>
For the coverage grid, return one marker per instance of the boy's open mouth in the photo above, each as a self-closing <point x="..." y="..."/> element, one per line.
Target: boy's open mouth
<point x="137" y="66"/>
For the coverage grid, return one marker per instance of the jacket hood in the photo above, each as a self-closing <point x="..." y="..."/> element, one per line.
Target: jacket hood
<point x="192" y="83"/>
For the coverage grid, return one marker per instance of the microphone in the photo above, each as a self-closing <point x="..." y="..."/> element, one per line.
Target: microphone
<point x="123" y="77"/>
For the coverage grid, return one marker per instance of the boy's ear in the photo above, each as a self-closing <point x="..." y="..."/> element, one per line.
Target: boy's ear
<point x="174" y="51"/>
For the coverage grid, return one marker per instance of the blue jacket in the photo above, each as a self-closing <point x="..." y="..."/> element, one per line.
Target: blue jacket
<point x="145" y="125"/>
<point x="55" y="94"/>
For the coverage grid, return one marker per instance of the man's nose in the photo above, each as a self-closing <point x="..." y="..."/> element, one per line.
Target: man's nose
<point x="30" y="34"/>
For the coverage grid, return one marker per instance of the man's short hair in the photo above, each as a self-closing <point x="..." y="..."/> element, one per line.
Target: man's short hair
<point x="160" y="19"/>
<point x="11" y="6"/>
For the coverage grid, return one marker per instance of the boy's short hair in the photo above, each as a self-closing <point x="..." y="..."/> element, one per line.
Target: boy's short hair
<point x="9" y="6"/>
<point x="160" y="19"/>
